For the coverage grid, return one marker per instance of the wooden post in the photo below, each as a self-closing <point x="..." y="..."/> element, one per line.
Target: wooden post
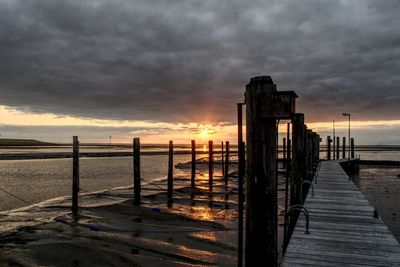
<point x="261" y="182"/>
<point x="226" y="171"/>
<point x="318" y="146"/>
<point x="306" y="148"/>
<point x="210" y="164"/>
<point x="328" y="149"/>
<point x="315" y="148"/>
<point x="170" y="173"/>
<point x="352" y="148"/>
<point x="299" y="172"/>
<point x="287" y="228"/>
<point x="240" y="183"/>
<point x="222" y="159"/>
<point x="344" y="148"/>
<point x="284" y="152"/>
<point x="75" y="175"/>
<point x="193" y="176"/>
<point x="310" y="153"/>
<point x="338" y="147"/>
<point x="136" y="171"/>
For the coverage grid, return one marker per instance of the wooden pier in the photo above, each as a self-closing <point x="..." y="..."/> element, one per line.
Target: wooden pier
<point x="343" y="228"/>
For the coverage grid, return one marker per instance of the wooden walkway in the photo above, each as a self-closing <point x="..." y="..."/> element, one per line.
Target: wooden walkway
<point x="343" y="231"/>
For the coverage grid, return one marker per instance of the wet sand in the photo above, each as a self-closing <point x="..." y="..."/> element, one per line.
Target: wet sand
<point x="381" y="187"/>
<point x="110" y="231"/>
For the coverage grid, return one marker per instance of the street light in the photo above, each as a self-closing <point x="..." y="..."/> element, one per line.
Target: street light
<point x="348" y="115"/>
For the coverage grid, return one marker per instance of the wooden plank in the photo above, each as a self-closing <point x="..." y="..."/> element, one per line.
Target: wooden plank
<point x="343" y="230"/>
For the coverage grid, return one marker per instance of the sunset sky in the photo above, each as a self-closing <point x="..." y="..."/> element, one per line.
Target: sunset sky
<point x="175" y="69"/>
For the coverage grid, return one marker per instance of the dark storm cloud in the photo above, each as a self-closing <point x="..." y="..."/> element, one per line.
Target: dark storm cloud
<point x="182" y="60"/>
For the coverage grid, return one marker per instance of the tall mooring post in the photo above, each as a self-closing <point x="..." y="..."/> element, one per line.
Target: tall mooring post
<point x="337" y="147"/>
<point x="193" y="176"/>
<point x="75" y="175"/>
<point x="170" y="178"/>
<point x="315" y="147"/>
<point x="328" y="147"/>
<point x="136" y="171"/>
<point x="210" y="165"/>
<point x="344" y="148"/>
<point x="284" y="152"/>
<point x="352" y="148"/>
<point x="226" y="170"/>
<point x="299" y="171"/>
<point x="264" y="105"/>
<point x="309" y="153"/>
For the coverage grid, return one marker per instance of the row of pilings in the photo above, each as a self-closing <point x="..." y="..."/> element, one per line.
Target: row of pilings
<point x="333" y="148"/>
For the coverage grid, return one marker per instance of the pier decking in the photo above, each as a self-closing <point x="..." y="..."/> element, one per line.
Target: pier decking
<point x="343" y="230"/>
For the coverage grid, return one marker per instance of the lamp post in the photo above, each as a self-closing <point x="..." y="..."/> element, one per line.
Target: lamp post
<point x="348" y="115"/>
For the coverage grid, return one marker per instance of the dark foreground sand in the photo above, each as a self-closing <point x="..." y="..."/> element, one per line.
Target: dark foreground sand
<point x="110" y="231"/>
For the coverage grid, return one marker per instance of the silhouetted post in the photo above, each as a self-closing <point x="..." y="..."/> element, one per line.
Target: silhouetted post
<point x="75" y="175"/>
<point x="226" y="171"/>
<point x="315" y="148"/>
<point x="210" y="164"/>
<point x="284" y="152"/>
<point x="299" y="172"/>
<point x="240" y="183"/>
<point x="309" y="153"/>
<point x="334" y="142"/>
<point x="193" y="177"/>
<point x="318" y="146"/>
<point x="306" y="148"/>
<point x="328" y="151"/>
<point x="136" y="171"/>
<point x="222" y="159"/>
<point x="352" y="148"/>
<point x="337" y="147"/>
<point x="344" y="148"/>
<point x="288" y="169"/>
<point x="170" y="173"/>
<point x="261" y="182"/>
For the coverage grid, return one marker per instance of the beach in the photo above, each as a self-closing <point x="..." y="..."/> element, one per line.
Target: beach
<point x="199" y="229"/>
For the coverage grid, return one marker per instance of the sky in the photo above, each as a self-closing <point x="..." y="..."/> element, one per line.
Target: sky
<point x="175" y="69"/>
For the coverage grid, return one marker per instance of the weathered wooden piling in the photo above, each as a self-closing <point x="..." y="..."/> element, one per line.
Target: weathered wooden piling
<point x="328" y="149"/>
<point x="315" y="139"/>
<point x="288" y="225"/>
<point x="337" y="147"/>
<point x="170" y="182"/>
<point x="261" y="184"/>
<point x="352" y="148"/>
<point x="299" y="171"/>
<point x="210" y="164"/>
<point x="284" y="152"/>
<point x="344" y="148"/>
<point x="309" y="152"/>
<point x="136" y="171"/>
<point x="75" y="175"/>
<point x="240" y="182"/>
<point x="226" y="171"/>
<point x="193" y="175"/>
<point x="222" y="159"/>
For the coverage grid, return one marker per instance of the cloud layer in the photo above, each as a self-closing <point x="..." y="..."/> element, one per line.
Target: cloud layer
<point x="188" y="60"/>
